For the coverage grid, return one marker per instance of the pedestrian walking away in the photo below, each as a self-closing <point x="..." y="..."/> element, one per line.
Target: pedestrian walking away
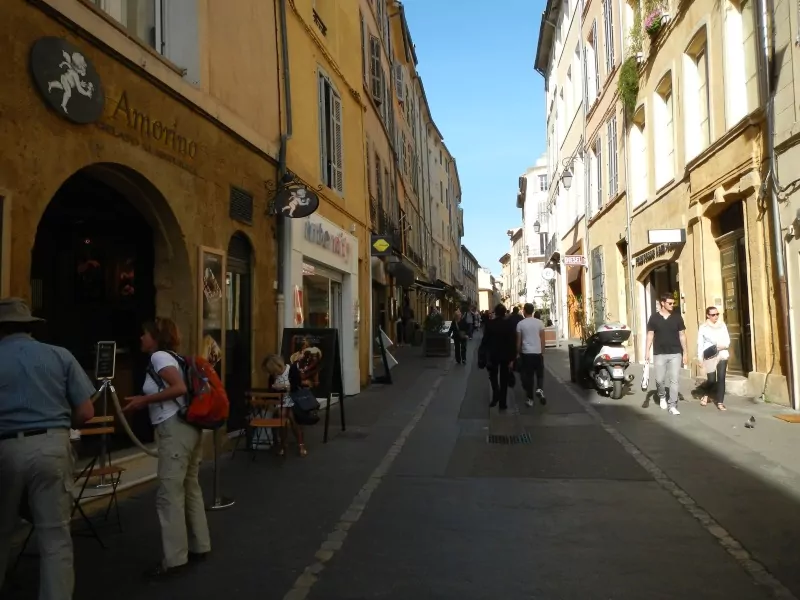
<point x="469" y="317"/>
<point x="666" y="348"/>
<point x="459" y="331"/>
<point x="179" y="499"/>
<point x="43" y="390"/>
<point x="530" y="354"/>
<point x="499" y="345"/>
<point x="713" y="341"/>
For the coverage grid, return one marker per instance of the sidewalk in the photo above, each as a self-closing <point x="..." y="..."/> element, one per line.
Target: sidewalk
<point x="283" y="506"/>
<point x="776" y="440"/>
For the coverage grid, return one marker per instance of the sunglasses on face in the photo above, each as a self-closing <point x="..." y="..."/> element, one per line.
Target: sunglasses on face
<point x="713" y="314"/>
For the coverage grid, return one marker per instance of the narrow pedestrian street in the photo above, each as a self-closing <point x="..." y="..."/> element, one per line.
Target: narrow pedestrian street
<point x="597" y="499"/>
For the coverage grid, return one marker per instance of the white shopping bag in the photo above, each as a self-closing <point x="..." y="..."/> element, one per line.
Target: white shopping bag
<point x="646" y="376"/>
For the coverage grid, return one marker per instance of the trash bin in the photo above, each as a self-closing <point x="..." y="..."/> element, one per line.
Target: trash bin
<point x="575" y="358"/>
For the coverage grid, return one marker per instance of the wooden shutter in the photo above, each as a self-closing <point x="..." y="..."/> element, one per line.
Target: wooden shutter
<point x="599" y="155"/>
<point x="369" y="169"/>
<point x="376" y="81"/>
<point x="323" y="132"/>
<point x="363" y="49"/>
<point x="337" y="162"/>
<point x="596" y="47"/>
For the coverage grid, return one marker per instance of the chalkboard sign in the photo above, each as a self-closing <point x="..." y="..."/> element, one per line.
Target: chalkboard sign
<point x="316" y="354"/>
<point x="106" y="360"/>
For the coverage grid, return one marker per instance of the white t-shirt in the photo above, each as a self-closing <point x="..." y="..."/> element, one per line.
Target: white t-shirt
<point x="530" y="329"/>
<point x="161" y="411"/>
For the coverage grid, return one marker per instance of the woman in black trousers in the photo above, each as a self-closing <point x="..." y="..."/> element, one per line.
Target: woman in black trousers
<point x="499" y="345"/>
<point x="459" y="331"/>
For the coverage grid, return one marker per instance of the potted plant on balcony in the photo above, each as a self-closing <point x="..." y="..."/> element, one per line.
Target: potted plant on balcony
<point x="436" y="341"/>
<point x="655" y="20"/>
<point x="635" y="37"/>
<point x="628" y="84"/>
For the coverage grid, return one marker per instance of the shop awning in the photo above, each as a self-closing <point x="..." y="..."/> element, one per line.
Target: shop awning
<point x="403" y="276"/>
<point x="431" y="288"/>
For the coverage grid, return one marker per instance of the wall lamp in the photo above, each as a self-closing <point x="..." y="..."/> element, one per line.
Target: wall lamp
<point x="568" y="164"/>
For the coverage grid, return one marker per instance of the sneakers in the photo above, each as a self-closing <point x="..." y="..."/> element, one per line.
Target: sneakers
<point x="674" y="411"/>
<point x="540" y="395"/>
<point x="663" y="404"/>
<point x="529" y="402"/>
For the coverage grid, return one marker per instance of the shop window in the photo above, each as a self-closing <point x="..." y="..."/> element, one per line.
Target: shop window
<point x="662" y="280"/>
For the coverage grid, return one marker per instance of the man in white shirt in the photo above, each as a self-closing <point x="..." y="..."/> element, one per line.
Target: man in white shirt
<point x="530" y="349"/>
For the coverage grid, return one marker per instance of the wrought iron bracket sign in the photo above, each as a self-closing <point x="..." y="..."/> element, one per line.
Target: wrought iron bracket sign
<point x="292" y="198"/>
<point x="67" y="80"/>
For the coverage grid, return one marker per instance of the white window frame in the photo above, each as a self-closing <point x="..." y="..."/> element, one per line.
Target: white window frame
<point x="613" y="172"/>
<point x="608" y="20"/>
<point x="639" y="158"/>
<point x="664" y="131"/>
<point x="734" y="59"/>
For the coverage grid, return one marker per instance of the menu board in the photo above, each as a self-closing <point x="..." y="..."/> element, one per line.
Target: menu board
<point x="212" y="305"/>
<point x="105" y="361"/>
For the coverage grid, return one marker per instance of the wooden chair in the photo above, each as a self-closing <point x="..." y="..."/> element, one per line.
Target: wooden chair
<point x="260" y="404"/>
<point x="98" y="426"/>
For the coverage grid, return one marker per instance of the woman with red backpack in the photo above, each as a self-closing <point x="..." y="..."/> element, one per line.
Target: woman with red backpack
<point x="179" y="500"/>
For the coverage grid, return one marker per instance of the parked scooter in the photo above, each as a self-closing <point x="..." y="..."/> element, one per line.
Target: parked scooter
<point x="606" y="359"/>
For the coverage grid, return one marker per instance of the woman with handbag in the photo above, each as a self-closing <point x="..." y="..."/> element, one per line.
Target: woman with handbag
<point x="459" y="331"/>
<point x="713" y="342"/>
<point x="286" y="378"/>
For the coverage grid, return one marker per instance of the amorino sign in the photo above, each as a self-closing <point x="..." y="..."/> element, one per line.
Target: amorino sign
<point x="333" y="241"/>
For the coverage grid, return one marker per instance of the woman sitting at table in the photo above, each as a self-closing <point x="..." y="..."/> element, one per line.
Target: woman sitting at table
<point x="286" y="379"/>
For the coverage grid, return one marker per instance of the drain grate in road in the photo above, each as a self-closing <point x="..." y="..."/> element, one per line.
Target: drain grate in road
<point x="524" y="438"/>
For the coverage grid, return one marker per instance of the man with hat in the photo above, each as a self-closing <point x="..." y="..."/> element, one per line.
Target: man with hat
<point x="43" y="390"/>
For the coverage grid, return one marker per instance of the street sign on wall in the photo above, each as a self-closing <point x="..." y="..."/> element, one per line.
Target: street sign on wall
<point x="575" y="260"/>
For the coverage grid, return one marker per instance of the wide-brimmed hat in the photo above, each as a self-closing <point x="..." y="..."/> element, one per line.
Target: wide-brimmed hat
<point x="14" y="310"/>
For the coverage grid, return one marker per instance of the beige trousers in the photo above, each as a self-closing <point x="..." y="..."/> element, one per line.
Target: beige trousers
<point x="179" y="500"/>
<point x="41" y="465"/>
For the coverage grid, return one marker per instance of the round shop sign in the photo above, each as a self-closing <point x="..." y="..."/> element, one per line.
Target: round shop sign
<point x="296" y="202"/>
<point x="548" y="274"/>
<point x="67" y="80"/>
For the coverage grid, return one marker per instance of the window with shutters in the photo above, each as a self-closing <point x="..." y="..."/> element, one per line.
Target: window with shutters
<point x="375" y="70"/>
<point x="598" y="287"/>
<point x="363" y="48"/>
<point x="664" y="132"/>
<point x="598" y="155"/>
<point x="369" y="167"/>
<point x="141" y="18"/>
<point x="330" y="135"/>
<point x="608" y="17"/>
<point x="639" y="163"/>
<point x="696" y="95"/>
<point x="379" y="186"/>
<point x="592" y="76"/>
<point x="613" y="179"/>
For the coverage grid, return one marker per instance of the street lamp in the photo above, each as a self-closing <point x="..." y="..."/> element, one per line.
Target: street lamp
<point x="537" y="226"/>
<point x="566" y="178"/>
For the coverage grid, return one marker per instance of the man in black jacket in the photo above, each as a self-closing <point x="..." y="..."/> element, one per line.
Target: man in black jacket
<point x="500" y="345"/>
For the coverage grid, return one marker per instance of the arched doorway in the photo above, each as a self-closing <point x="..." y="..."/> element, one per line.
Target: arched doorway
<point x="102" y="263"/>
<point x="238" y="328"/>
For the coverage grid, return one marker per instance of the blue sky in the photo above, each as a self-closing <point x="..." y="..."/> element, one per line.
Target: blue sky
<point x="476" y="61"/>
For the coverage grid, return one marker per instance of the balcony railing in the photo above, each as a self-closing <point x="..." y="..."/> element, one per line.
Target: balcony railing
<point x="373" y="215"/>
<point x="550" y="248"/>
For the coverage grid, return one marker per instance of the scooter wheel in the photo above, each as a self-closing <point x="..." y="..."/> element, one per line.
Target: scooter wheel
<point x="616" y="393"/>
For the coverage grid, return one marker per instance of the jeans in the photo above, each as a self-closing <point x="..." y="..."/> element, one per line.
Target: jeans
<point x="531" y="367"/>
<point x="716" y="382"/>
<point x="499" y="390"/>
<point x="460" y="348"/>
<point x="42" y="465"/>
<point x="179" y="500"/>
<point x="667" y="369"/>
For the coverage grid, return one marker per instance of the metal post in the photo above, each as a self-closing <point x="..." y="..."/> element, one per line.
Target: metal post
<point x="104" y="439"/>
<point x="220" y="502"/>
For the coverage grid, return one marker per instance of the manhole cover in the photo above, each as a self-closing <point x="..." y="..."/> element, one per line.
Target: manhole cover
<point x="524" y="438"/>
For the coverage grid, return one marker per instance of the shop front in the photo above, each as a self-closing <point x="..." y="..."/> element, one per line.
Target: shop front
<point x="321" y="278"/>
<point x="120" y="208"/>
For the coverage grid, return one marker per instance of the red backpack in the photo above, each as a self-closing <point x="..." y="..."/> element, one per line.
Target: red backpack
<point x="207" y="405"/>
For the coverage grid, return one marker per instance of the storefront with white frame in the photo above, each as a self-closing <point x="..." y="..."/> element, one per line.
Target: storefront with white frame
<point x="321" y="287"/>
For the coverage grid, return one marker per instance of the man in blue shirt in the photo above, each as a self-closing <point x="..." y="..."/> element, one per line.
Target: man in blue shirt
<point x="43" y="390"/>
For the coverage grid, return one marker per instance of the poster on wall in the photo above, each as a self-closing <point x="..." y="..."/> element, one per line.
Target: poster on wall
<point x="316" y="354"/>
<point x="212" y="306"/>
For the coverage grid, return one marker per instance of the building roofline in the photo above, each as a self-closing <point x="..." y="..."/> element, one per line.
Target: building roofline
<point x="505" y="259"/>
<point x="545" y="43"/>
<point x="470" y="254"/>
<point x="411" y="52"/>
